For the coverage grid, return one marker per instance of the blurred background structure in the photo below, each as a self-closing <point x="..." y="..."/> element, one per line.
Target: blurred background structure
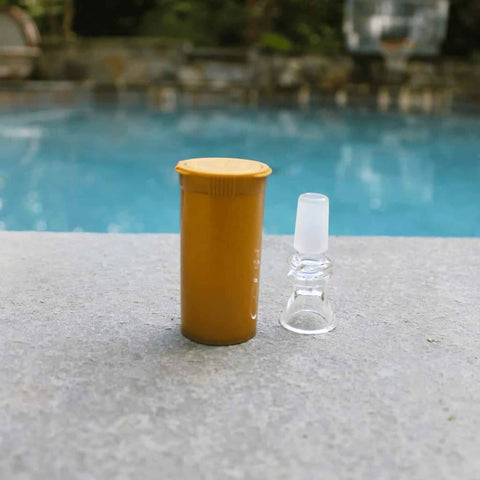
<point x="369" y="24"/>
<point x="285" y="25"/>
<point x="19" y="42"/>
<point x="403" y="53"/>
<point x="397" y="29"/>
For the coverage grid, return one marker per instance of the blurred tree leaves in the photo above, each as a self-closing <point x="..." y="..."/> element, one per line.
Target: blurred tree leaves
<point x="275" y="42"/>
<point x="37" y="8"/>
<point x="206" y="22"/>
<point x="283" y="25"/>
<point x="310" y="25"/>
<point x="280" y="25"/>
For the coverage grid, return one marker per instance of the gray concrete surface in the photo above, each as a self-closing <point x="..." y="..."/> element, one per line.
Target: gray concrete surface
<point x="96" y="381"/>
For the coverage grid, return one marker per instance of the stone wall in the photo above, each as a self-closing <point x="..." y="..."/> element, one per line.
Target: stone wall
<point x="167" y="73"/>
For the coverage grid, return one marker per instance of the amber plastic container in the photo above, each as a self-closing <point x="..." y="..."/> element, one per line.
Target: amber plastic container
<point x="221" y="234"/>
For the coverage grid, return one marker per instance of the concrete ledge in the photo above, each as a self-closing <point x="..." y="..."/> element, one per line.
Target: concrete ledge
<point x="97" y="382"/>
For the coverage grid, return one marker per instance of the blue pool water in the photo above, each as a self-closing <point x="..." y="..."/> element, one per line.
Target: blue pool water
<point x="106" y="169"/>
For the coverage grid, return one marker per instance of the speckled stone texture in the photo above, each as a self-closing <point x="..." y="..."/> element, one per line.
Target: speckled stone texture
<point x="96" y="381"/>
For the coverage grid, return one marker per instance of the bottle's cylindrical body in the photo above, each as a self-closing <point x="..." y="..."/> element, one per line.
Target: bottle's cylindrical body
<point x="221" y="233"/>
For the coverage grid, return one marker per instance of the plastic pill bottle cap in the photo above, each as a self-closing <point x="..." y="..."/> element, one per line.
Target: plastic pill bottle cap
<point x="223" y="176"/>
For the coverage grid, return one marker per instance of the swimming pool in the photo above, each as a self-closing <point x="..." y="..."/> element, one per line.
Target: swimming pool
<point x="110" y="169"/>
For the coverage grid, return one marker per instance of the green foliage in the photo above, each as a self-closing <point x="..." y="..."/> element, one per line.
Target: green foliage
<point x="275" y="42"/>
<point x="311" y="25"/>
<point x="37" y="8"/>
<point x="280" y="25"/>
<point x="208" y="22"/>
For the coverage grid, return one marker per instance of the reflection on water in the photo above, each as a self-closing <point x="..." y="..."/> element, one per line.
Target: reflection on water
<point x="364" y="165"/>
<point x="106" y="169"/>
